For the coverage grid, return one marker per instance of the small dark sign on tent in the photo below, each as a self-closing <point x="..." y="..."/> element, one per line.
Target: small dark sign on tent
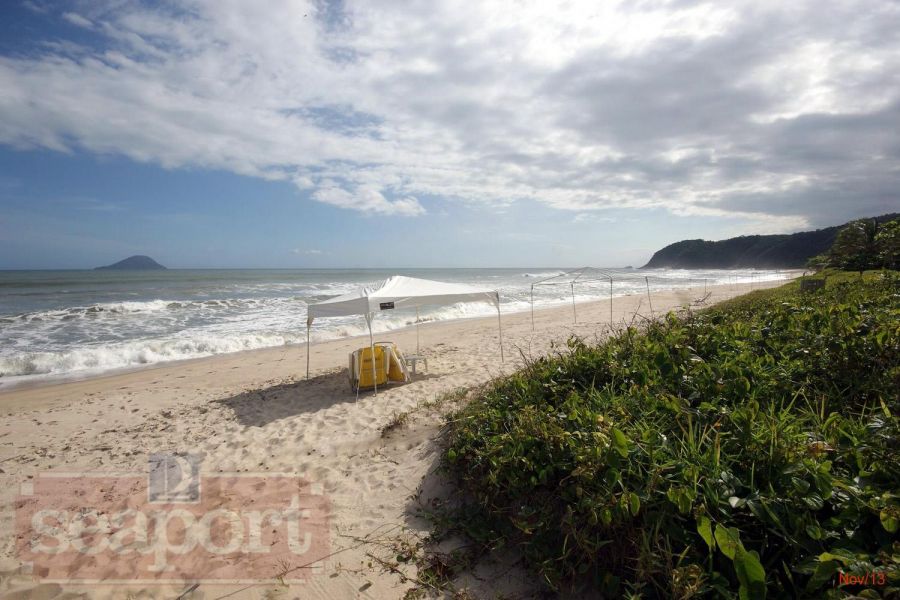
<point x="386" y="305"/>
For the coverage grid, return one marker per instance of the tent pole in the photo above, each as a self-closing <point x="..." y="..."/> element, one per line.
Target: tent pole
<point x="500" y="328"/>
<point x="307" y="351"/>
<point x="610" y="303"/>
<point x="574" y="314"/>
<point x="417" y="331"/>
<point x="647" y="281"/>
<point x="532" y="307"/>
<point x="372" y="348"/>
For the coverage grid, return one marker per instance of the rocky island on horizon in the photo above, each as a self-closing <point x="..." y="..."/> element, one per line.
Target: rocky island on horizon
<point x="138" y="262"/>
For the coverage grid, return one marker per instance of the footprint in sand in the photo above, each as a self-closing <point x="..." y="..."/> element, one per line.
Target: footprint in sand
<point x="373" y="481"/>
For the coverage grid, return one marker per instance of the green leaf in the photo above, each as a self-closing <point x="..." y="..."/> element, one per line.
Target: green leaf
<point x="800" y="485"/>
<point x="634" y="503"/>
<point x="814" y="501"/>
<point x="814" y="531"/>
<point x="750" y="574"/>
<point x="620" y="442"/>
<point x="842" y="556"/>
<point x="704" y="528"/>
<point x="611" y="477"/>
<point x="729" y="540"/>
<point x="451" y="455"/>
<point x="823" y="575"/>
<point x="824" y="484"/>
<point x="683" y="498"/>
<point x="889" y="521"/>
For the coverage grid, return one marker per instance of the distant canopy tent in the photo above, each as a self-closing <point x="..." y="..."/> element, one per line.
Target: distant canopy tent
<point x="399" y="292"/>
<point x="571" y="278"/>
<point x="587" y="275"/>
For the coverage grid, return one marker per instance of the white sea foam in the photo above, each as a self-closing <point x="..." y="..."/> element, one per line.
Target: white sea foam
<point x="107" y="332"/>
<point x="204" y="343"/>
<point x="134" y="353"/>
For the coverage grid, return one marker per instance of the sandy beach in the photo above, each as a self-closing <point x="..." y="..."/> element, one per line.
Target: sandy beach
<point x="254" y="412"/>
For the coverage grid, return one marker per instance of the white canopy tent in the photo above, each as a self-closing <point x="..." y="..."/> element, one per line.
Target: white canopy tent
<point x="570" y="278"/>
<point x="589" y="275"/>
<point x="399" y="292"/>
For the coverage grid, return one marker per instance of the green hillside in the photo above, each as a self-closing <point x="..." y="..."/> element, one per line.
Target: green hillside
<point x="762" y="251"/>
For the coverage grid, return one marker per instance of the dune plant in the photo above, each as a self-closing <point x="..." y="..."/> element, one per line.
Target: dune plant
<point x="747" y="450"/>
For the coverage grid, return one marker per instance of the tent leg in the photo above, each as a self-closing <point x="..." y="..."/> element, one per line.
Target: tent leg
<point x="307" y="352"/>
<point x="532" y="307"/>
<point x="500" y="330"/>
<point x="610" y="303"/>
<point x="649" y="300"/>
<point x="372" y="348"/>
<point x="417" y="331"/>
<point x="574" y="314"/>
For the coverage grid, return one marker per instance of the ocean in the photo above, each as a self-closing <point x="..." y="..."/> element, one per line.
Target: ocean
<point x="59" y="324"/>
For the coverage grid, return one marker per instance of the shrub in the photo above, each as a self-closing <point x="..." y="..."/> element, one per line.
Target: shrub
<point x="747" y="449"/>
<point x="861" y="245"/>
<point x="888" y="243"/>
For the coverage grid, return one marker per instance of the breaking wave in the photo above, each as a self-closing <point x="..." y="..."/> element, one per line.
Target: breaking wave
<point x="130" y="308"/>
<point x="103" y="329"/>
<point x="129" y="354"/>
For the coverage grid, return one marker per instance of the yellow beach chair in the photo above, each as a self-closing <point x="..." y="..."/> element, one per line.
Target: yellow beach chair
<point x="361" y="372"/>
<point x="389" y="366"/>
<point x="397" y="372"/>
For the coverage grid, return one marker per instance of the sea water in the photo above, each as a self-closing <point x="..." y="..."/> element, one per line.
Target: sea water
<point x="79" y="323"/>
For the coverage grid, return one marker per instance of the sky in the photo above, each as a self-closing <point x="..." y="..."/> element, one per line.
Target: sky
<point x="226" y="133"/>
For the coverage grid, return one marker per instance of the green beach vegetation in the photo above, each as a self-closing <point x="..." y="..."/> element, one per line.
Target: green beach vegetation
<point x="746" y="450"/>
<point x="862" y="245"/>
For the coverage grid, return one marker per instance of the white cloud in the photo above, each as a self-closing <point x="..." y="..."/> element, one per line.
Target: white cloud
<point x="591" y="218"/>
<point x="310" y="252"/>
<point x="369" y="105"/>
<point x="77" y="20"/>
<point x="34" y="7"/>
<point x="368" y="200"/>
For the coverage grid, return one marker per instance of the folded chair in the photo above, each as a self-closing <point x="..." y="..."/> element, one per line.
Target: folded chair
<point x="389" y="366"/>
<point x="397" y="372"/>
<point x="361" y="375"/>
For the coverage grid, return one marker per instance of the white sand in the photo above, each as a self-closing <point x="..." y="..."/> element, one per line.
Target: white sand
<point x="253" y="411"/>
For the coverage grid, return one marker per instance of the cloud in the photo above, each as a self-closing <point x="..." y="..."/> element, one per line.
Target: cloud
<point x="780" y="114"/>
<point x="584" y="217"/>
<point x="310" y="252"/>
<point x="34" y="7"/>
<point x="77" y="20"/>
<point x="368" y="200"/>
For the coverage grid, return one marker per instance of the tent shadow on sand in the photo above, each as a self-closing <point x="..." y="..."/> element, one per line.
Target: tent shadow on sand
<point x="258" y="408"/>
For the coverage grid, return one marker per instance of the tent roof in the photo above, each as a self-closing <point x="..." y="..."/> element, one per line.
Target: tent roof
<point x="583" y="274"/>
<point x="399" y="292"/>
